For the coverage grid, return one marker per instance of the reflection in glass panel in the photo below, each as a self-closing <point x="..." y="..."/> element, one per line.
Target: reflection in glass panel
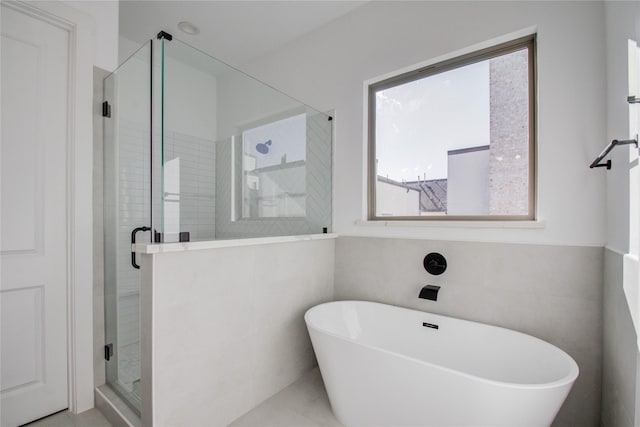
<point x="274" y="157"/>
<point x="253" y="161"/>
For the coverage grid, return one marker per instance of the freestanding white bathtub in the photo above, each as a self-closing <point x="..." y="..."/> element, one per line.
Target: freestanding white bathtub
<point x="390" y="366"/>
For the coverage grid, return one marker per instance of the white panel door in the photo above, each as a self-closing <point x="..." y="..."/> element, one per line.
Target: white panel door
<point x="33" y="239"/>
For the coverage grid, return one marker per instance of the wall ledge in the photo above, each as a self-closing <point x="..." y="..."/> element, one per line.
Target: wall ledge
<point x="158" y="248"/>
<point x="615" y="250"/>
<point x="454" y="224"/>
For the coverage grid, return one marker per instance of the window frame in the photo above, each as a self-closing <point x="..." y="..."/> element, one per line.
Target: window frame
<point x="528" y="42"/>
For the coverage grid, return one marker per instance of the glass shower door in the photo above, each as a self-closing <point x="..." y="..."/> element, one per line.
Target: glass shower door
<point x="127" y="206"/>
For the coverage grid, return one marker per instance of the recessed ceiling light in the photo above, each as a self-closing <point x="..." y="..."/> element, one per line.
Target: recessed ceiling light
<point x="188" y="28"/>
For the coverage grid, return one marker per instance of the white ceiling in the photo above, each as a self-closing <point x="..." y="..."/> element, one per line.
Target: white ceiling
<point x="236" y="32"/>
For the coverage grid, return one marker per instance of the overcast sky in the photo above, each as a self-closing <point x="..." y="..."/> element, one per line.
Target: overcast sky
<point x="418" y="122"/>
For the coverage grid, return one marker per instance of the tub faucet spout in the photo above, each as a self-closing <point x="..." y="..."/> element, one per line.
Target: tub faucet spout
<point x="430" y="292"/>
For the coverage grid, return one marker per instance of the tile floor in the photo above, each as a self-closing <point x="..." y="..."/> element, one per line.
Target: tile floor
<point x="90" y="418"/>
<point x="303" y="404"/>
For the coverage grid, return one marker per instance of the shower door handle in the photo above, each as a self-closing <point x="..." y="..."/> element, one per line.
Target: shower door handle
<point x="133" y="240"/>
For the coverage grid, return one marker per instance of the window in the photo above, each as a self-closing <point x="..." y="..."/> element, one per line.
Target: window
<point x="455" y="140"/>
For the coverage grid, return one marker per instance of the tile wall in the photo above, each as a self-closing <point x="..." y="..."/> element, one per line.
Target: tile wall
<point x="551" y="292"/>
<point x="197" y="188"/>
<point x="619" y="347"/>
<point x="232" y="320"/>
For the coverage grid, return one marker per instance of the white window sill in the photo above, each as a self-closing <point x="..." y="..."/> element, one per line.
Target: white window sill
<point x="455" y="224"/>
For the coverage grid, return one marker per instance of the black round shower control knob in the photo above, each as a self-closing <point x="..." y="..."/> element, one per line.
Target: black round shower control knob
<point x="435" y="263"/>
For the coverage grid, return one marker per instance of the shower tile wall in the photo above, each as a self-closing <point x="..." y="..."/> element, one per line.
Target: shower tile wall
<point x="133" y="211"/>
<point x="197" y="215"/>
<point x="319" y="172"/>
<point x="197" y="182"/>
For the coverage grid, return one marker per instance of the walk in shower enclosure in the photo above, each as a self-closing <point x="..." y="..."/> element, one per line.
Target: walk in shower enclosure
<point x="196" y="150"/>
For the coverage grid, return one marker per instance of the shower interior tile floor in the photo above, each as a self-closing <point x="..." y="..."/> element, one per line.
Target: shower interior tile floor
<point x="129" y="367"/>
<point x="302" y="404"/>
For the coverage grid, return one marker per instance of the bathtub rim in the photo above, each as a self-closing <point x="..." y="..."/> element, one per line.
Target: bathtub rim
<point x="569" y="379"/>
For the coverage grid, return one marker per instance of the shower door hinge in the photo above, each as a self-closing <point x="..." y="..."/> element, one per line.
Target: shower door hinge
<point x="106" y="109"/>
<point x="108" y="352"/>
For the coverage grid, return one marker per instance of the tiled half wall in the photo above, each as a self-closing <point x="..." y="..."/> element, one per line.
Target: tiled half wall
<point x="227" y="327"/>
